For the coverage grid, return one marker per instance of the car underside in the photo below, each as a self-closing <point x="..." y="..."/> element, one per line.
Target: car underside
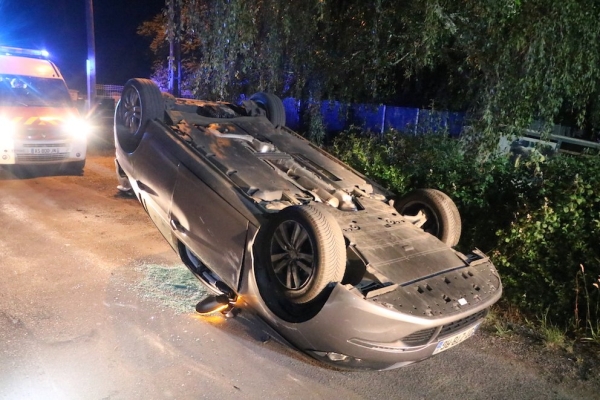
<point x="343" y="269"/>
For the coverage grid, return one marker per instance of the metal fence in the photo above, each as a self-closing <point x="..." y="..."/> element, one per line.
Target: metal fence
<point x="338" y="116"/>
<point x="109" y="91"/>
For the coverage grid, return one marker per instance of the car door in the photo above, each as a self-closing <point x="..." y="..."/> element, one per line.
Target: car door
<point x="209" y="226"/>
<point x="155" y="169"/>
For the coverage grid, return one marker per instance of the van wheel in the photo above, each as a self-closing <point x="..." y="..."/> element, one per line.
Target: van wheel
<point x="73" y="167"/>
<point x="140" y="103"/>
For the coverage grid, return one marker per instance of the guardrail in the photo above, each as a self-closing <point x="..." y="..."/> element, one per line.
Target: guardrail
<point x="561" y="143"/>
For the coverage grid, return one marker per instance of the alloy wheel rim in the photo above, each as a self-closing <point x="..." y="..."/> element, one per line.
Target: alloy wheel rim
<point x="292" y="255"/>
<point x="132" y="110"/>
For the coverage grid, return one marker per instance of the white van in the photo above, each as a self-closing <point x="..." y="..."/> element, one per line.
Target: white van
<point x="39" y="123"/>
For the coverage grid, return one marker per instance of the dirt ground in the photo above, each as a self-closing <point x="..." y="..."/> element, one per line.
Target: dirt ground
<point x="94" y="304"/>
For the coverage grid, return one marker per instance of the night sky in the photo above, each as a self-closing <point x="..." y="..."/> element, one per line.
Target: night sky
<point x="59" y="26"/>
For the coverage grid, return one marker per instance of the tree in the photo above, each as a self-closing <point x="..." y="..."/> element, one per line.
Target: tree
<point x="526" y="59"/>
<point x="507" y="62"/>
<point x="159" y="46"/>
<point x="157" y="29"/>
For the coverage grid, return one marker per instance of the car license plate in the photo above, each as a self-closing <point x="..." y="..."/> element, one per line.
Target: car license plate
<point x="45" y="150"/>
<point x="454" y="340"/>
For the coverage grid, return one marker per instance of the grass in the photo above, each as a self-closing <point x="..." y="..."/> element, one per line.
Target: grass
<point x="505" y="321"/>
<point x="591" y="307"/>
<point x="496" y="323"/>
<point x="552" y="336"/>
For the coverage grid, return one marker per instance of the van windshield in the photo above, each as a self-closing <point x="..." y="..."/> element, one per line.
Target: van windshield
<point x="20" y="90"/>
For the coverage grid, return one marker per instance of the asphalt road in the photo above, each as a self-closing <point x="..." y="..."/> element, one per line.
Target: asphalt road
<point x="76" y="321"/>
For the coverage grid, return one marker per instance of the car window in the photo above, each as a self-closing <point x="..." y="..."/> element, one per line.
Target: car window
<point x="20" y="90"/>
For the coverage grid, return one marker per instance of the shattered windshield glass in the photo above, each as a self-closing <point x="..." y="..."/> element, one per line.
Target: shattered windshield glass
<point x="20" y="90"/>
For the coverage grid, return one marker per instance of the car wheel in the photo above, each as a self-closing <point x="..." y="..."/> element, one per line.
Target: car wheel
<point x="434" y="212"/>
<point x="307" y="252"/>
<point x="272" y="105"/>
<point x="141" y="102"/>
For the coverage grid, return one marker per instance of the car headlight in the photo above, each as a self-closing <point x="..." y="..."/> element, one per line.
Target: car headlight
<point x="7" y="127"/>
<point x="77" y="127"/>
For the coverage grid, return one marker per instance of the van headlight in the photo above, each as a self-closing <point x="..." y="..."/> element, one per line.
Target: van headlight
<point x="77" y="127"/>
<point x="7" y="127"/>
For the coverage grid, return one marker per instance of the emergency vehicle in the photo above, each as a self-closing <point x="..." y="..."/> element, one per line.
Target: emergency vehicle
<point x="39" y="123"/>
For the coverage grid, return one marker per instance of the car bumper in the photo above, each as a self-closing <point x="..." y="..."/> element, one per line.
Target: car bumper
<point x="350" y="332"/>
<point x="42" y="152"/>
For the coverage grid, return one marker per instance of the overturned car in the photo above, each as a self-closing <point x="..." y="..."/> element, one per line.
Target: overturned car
<point x="343" y="269"/>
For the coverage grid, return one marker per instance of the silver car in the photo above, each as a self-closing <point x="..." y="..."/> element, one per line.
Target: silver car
<point x="344" y="270"/>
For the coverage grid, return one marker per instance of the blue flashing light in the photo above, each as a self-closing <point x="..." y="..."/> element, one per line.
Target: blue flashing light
<point x="15" y="51"/>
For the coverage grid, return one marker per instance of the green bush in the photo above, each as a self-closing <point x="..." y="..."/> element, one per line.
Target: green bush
<point x="555" y="229"/>
<point x="538" y="218"/>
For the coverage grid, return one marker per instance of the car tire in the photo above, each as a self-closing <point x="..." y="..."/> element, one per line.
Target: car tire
<point x="442" y="218"/>
<point x="272" y="105"/>
<point x="141" y="102"/>
<point x="306" y="252"/>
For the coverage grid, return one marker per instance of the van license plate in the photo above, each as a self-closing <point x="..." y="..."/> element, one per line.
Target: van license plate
<point x="45" y="150"/>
